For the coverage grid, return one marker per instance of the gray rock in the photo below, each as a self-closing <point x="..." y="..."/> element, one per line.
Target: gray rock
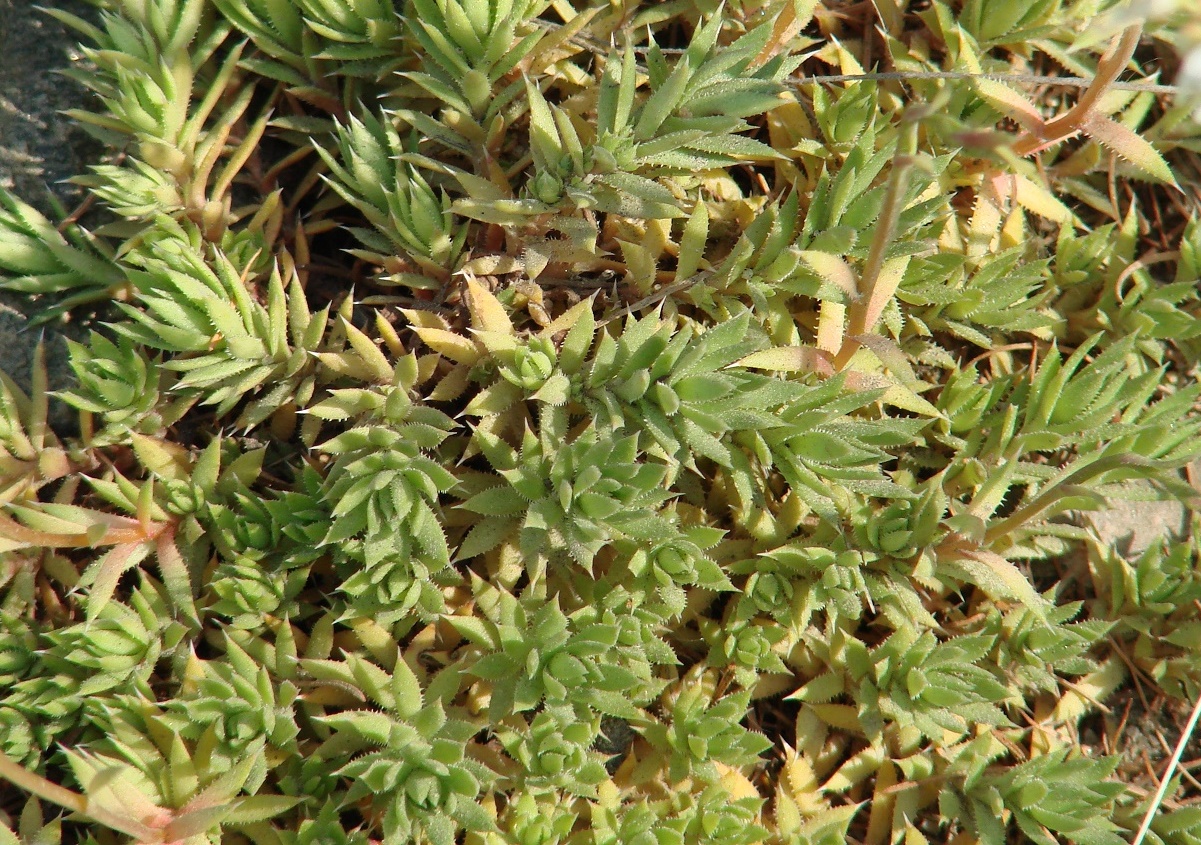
<point x="39" y="150"/>
<point x="1142" y="519"/>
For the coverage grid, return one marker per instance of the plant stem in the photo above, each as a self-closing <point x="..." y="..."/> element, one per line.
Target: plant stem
<point x="26" y="780"/>
<point x="1145" y="827"/>
<point x="864" y="312"/>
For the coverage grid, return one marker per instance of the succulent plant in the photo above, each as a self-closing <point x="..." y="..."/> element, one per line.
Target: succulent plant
<point x="560" y="422"/>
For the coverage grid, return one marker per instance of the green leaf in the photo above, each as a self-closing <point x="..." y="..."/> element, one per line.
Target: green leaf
<point x="1131" y="146"/>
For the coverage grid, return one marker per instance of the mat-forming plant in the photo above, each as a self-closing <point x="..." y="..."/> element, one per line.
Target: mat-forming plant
<point x="574" y="421"/>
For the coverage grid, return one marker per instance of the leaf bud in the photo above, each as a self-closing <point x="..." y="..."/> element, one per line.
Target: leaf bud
<point x="164" y="157"/>
<point x="547" y="188"/>
<point x="666" y="398"/>
<point x="601" y="160"/>
<point x="478" y="90"/>
<point x="635" y="387"/>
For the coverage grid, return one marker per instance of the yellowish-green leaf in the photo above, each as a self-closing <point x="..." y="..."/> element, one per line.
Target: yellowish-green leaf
<point x="487" y="313"/>
<point x="168" y="460"/>
<point x="692" y="242"/>
<point x="1000" y="578"/>
<point x="832" y="270"/>
<point x="1037" y="199"/>
<point x="373" y="359"/>
<point x="789" y="359"/>
<point x="1009" y="101"/>
<point x="1131" y="147"/>
<point x="453" y="346"/>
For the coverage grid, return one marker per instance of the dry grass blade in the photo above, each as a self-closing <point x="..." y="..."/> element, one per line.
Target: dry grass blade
<point x="1168" y="773"/>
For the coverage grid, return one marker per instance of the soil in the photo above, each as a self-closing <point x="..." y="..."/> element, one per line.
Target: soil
<point x="1144" y="733"/>
<point x="39" y="149"/>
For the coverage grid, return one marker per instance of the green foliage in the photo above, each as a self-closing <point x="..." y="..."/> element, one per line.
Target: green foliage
<point x="572" y="498"/>
<point x="380" y="492"/>
<point x="703" y="733"/>
<point x="37" y="257"/>
<point x="571" y="423"/>
<point x="586" y="660"/>
<point x="555" y="749"/>
<point x="404" y="212"/>
<point x="237" y="345"/>
<point x="122" y="384"/>
<point x="1048" y="795"/>
<point x="418" y="767"/>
